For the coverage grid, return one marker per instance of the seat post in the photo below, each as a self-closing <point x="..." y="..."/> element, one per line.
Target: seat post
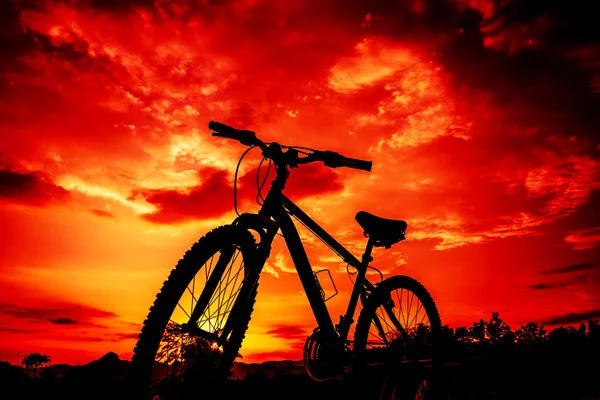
<point x="366" y="258"/>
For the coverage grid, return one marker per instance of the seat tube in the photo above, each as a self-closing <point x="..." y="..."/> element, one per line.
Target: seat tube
<point x="366" y="258"/>
<point x="358" y="286"/>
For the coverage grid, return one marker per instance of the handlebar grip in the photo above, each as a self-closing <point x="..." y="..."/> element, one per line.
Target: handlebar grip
<point x="222" y="128"/>
<point x="356" y="163"/>
<point x="334" y="160"/>
<point x="243" y="136"/>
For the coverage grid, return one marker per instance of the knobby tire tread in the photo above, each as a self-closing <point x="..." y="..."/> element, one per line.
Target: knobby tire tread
<point x="172" y="289"/>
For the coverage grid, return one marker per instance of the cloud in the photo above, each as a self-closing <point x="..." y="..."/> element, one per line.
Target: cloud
<point x="304" y="181"/>
<point x="102" y="213"/>
<point x="584" y="238"/>
<point x="37" y="188"/>
<point x="121" y="5"/>
<point x="63" y="321"/>
<point x="294" y="353"/>
<point x="567" y="183"/>
<point x="213" y="197"/>
<point x="295" y="337"/>
<point x="371" y="64"/>
<point x="289" y="332"/>
<point x="207" y="200"/>
<point x="59" y="313"/>
<point x="280" y="262"/>
<point x="390" y="78"/>
<point x="544" y="286"/>
<point x="573" y="282"/>
<point x="126" y="336"/>
<point x="572" y="268"/>
<point x="20" y="331"/>
<point x="571" y="318"/>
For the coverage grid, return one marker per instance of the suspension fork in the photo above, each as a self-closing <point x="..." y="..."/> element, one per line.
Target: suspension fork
<point x="267" y="229"/>
<point x="254" y="260"/>
<point x="248" y="287"/>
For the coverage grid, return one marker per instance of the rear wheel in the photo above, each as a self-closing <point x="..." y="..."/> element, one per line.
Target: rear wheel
<point x="397" y="341"/>
<point x="182" y="344"/>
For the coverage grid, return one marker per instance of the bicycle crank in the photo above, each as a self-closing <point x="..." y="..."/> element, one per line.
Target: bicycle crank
<point x="324" y="359"/>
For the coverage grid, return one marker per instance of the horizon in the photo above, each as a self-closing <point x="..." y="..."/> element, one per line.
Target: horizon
<point x="547" y="332"/>
<point x="483" y="136"/>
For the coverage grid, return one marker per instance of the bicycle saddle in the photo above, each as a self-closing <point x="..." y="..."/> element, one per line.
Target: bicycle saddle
<point x="384" y="232"/>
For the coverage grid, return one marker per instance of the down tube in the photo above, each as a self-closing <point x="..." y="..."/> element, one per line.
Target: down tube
<point x="305" y="272"/>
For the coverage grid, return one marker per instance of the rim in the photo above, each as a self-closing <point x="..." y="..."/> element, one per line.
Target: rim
<point x="189" y="350"/>
<point x="399" y="348"/>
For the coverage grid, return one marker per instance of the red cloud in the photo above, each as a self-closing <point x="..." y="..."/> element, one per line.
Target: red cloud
<point x="289" y="332"/>
<point x="304" y="181"/>
<point x="59" y="313"/>
<point x="214" y="196"/>
<point x="207" y="200"/>
<point x="30" y="187"/>
<point x="572" y="318"/>
<point x="584" y="238"/>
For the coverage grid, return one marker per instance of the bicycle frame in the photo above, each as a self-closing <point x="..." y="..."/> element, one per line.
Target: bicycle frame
<point x="327" y="352"/>
<point x="277" y="207"/>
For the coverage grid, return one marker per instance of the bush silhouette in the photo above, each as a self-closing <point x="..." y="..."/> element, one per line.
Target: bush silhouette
<point x="34" y="361"/>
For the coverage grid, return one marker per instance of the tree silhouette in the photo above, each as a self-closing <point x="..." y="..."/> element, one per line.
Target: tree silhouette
<point x="593" y="338"/>
<point x="567" y="339"/>
<point x="530" y="334"/>
<point x="448" y="337"/>
<point x="497" y="332"/>
<point x="34" y="361"/>
<point x="462" y="334"/>
<point x="495" y="335"/>
<point x="477" y="332"/>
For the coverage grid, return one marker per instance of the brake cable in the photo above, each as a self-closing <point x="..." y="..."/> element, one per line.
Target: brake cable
<point x="235" y="179"/>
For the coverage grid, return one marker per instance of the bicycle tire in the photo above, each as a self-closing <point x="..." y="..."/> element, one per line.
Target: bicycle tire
<point x="363" y="326"/>
<point x="166" y="300"/>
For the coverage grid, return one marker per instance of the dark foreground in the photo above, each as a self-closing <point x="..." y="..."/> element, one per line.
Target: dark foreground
<point x="500" y="376"/>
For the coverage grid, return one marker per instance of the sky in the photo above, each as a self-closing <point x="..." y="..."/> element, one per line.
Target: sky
<point x="480" y="117"/>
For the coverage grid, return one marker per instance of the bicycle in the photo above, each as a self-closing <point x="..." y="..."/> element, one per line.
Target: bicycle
<point x="170" y="357"/>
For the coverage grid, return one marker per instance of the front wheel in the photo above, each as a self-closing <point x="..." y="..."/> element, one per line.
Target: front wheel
<point x="397" y="341"/>
<point x="183" y="341"/>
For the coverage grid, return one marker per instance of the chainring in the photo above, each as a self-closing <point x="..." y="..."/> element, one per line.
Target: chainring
<point x="323" y="359"/>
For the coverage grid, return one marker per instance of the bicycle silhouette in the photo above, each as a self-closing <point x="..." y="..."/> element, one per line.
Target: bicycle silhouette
<point x="196" y="326"/>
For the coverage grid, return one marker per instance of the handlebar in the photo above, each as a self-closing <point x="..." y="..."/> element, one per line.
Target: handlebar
<point x="329" y="158"/>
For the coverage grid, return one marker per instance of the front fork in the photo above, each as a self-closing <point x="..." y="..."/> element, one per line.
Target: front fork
<point x="256" y="258"/>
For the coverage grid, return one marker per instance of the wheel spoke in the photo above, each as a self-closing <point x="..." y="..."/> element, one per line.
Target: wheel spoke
<point x="182" y="350"/>
<point x="183" y="309"/>
<point x="193" y="293"/>
<point x="403" y="310"/>
<point x="217" y="296"/>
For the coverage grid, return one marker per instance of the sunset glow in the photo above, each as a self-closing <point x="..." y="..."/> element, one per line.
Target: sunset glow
<point x="482" y="128"/>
